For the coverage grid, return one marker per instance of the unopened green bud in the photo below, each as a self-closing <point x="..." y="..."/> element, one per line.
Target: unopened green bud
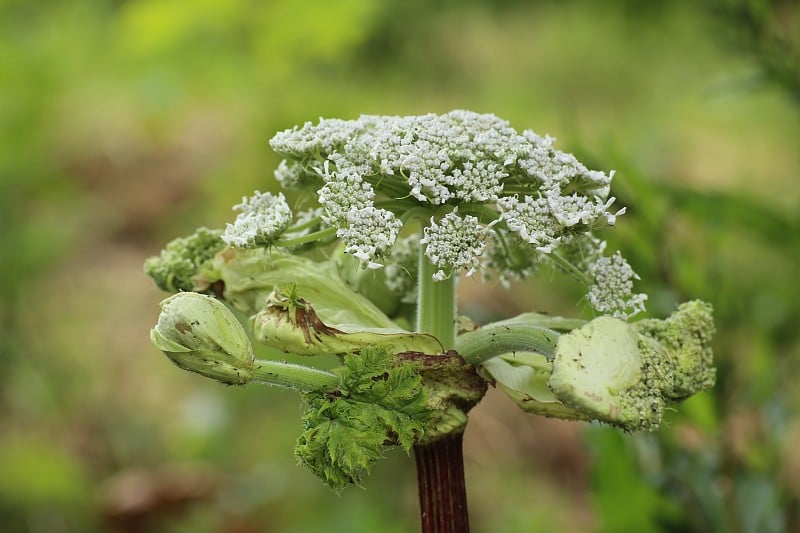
<point x="686" y="334"/>
<point x="199" y="334"/>
<point x="607" y="370"/>
<point x="594" y="368"/>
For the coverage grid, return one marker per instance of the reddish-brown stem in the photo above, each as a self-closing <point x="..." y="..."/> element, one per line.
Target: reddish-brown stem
<point x="442" y="492"/>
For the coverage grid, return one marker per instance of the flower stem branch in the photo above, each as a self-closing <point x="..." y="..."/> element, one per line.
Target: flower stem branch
<point x="493" y="340"/>
<point x="298" y="377"/>
<point x="317" y="235"/>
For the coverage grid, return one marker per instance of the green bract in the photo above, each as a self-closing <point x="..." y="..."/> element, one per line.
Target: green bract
<point x="523" y="376"/>
<point x="198" y="333"/>
<point x="290" y="324"/>
<point x="383" y="399"/>
<point x="250" y="277"/>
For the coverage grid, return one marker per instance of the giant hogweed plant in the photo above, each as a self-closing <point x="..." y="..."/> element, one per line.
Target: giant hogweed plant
<point x="398" y="209"/>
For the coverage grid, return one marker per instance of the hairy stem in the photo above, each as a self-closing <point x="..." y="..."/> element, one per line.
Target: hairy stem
<point x="293" y="376"/>
<point x="440" y="464"/>
<point x="442" y="492"/>
<point x="493" y="340"/>
<point x="436" y="304"/>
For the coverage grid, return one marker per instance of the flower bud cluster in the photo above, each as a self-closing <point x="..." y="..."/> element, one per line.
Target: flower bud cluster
<point x="453" y="243"/>
<point x="612" y="290"/>
<point x="183" y="260"/>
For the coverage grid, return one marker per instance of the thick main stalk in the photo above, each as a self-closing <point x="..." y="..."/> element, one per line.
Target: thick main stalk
<point x="440" y="464"/>
<point x="436" y="304"/>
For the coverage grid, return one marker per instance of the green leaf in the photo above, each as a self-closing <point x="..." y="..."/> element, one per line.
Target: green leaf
<point x="378" y="402"/>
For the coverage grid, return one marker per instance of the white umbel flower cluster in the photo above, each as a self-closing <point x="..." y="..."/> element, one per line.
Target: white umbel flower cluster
<point x="262" y="219"/>
<point x="533" y="220"/>
<point x="453" y="243"/>
<point x="524" y="198"/>
<point x="612" y="291"/>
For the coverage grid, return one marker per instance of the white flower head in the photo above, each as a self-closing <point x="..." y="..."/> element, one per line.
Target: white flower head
<point x="579" y="209"/>
<point x="612" y="290"/>
<point x="544" y="197"/>
<point x="369" y="234"/>
<point x="478" y="181"/>
<point x="555" y="168"/>
<point x="309" y="140"/>
<point x="453" y="243"/>
<point x="532" y="219"/>
<point x="262" y="219"/>
<point x="344" y="191"/>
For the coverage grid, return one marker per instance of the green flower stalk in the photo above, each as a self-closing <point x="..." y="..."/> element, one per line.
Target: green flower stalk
<point x="405" y="207"/>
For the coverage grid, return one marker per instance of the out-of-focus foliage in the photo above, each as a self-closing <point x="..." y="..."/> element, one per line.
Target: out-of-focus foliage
<point x="125" y="123"/>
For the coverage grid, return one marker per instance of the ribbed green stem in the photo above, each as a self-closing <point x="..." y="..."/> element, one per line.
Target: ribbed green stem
<point x="493" y="340"/>
<point x="569" y="268"/>
<point x="311" y="237"/>
<point x="436" y="305"/>
<point x="293" y="376"/>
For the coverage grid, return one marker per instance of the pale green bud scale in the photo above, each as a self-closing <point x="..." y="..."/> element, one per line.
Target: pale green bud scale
<point x="198" y="333"/>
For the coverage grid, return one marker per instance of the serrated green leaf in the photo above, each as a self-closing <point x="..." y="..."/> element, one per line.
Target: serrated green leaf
<point x="378" y="401"/>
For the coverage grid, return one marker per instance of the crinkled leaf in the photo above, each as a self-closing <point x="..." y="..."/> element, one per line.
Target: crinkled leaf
<point x="378" y="402"/>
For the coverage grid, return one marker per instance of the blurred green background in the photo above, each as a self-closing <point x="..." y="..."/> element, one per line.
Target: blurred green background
<point x="126" y="123"/>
